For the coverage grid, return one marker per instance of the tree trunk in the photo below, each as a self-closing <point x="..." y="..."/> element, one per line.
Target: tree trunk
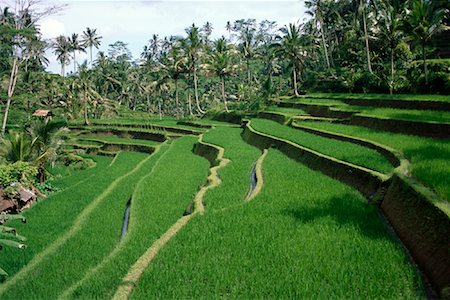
<point x="249" y="75"/>
<point x="222" y="79"/>
<point x="366" y="37"/>
<point x="189" y="104"/>
<point x="11" y="88"/>
<point x="159" y="108"/>
<point x="74" y="63"/>
<point x="391" y="86"/>
<point x="322" y="33"/>
<point x="86" y="121"/>
<point x="90" y="51"/>
<point x="199" y="109"/>
<point x="176" y="93"/>
<point x="294" y="79"/>
<point x="424" y="56"/>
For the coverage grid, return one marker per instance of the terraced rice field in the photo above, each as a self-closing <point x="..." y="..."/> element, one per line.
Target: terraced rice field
<point x="236" y="222"/>
<point x="429" y="157"/>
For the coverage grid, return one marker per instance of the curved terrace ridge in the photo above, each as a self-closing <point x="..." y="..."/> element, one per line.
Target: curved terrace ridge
<point x="136" y="271"/>
<point x="76" y="227"/>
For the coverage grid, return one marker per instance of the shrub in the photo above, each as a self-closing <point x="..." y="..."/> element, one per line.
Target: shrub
<point x="20" y="171"/>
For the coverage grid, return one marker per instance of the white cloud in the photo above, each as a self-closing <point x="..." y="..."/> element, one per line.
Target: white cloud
<point x="51" y="28"/>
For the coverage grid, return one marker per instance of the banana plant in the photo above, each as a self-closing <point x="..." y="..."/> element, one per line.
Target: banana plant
<point x="9" y="236"/>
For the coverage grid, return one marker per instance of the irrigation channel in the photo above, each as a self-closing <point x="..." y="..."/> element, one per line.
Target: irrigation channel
<point x="126" y="219"/>
<point x="256" y="177"/>
<point x="136" y="271"/>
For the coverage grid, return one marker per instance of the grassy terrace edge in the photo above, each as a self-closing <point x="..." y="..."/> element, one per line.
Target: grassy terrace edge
<point x="407" y="205"/>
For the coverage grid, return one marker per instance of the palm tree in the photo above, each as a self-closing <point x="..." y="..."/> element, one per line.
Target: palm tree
<point x="390" y="22"/>
<point x="176" y="67"/>
<point x="291" y="48"/>
<point x="75" y="45"/>
<point x="91" y="39"/>
<point x="47" y="137"/>
<point x="221" y="65"/>
<point x="62" y="49"/>
<point x="193" y="46"/>
<point x="85" y="90"/>
<point x="422" y="22"/>
<point x="229" y="27"/>
<point x="363" y="4"/>
<point x="315" y="10"/>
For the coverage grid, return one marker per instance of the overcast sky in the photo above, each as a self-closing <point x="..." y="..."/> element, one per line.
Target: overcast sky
<point x="134" y="22"/>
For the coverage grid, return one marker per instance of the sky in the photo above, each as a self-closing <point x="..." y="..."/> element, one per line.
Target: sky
<point x="134" y="22"/>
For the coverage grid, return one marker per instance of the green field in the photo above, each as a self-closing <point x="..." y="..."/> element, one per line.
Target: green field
<point x="304" y="235"/>
<point x="428" y="157"/>
<point x="345" y="151"/>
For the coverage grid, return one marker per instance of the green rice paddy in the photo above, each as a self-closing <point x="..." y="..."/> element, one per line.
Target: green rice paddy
<point x="345" y="151"/>
<point x="304" y="235"/>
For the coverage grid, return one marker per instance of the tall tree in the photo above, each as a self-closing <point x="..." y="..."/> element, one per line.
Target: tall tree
<point x="390" y="15"/>
<point x="20" y="25"/>
<point x="91" y="39"/>
<point x="315" y="10"/>
<point x="422" y="22"/>
<point x="221" y="65"/>
<point x="75" y="45"/>
<point x="291" y="48"/>
<point x="193" y="46"/>
<point x="363" y="8"/>
<point x="62" y="49"/>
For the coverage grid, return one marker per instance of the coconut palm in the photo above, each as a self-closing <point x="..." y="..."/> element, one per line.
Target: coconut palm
<point x="193" y="45"/>
<point x="91" y="39"/>
<point x="390" y="15"/>
<point x="75" y="45"/>
<point x="315" y="10"/>
<point x="176" y="66"/>
<point x="422" y="22"/>
<point x="362" y="9"/>
<point x="62" y="49"/>
<point x="221" y="65"/>
<point x="290" y="47"/>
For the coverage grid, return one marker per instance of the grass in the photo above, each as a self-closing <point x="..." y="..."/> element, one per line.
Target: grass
<point x="158" y="202"/>
<point x="379" y="112"/>
<point x="236" y="175"/>
<point x="117" y="140"/>
<point x="65" y="177"/>
<point x="53" y="216"/>
<point x="92" y="237"/>
<point x="146" y="123"/>
<point x="305" y="236"/>
<point x="424" y="97"/>
<point x="429" y="157"/>
<point x="290" y="112"/>
<point x="345" y="151"/>
<point x="404" y="114"/>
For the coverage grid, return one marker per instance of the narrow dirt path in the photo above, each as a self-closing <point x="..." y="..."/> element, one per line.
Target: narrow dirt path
<point x="259" y="177"/>
<point x="134" y="274"/>
<point x="76" y="227"/>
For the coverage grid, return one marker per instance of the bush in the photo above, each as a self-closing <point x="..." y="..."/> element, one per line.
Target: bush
<point x="77" y="162"/>
<point x="20" y="171"/>
<point x="438" y="77"/>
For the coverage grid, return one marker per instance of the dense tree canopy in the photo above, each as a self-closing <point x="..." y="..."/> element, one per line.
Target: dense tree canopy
<point x="346" y="45"/>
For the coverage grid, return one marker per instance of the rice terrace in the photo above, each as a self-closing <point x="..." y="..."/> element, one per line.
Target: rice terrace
<point x="268" y="150"/>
